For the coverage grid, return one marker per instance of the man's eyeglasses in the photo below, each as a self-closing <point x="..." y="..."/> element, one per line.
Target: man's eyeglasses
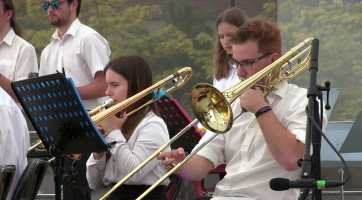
<point x="54" y="5"/>
<point x="245" y="64"/>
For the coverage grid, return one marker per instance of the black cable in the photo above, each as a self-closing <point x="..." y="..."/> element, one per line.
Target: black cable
<point x="330" y="144"/>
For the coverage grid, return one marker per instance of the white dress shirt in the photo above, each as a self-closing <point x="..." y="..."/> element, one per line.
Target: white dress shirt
<point x="14" y="137"/>
<point x="226" y="83"/>
<point x="249" y="163"/>
<point x="150" y="134"/>
<point x="82" y="52"/>
<point x="17" y="57"/>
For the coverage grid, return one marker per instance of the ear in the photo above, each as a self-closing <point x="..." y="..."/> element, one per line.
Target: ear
<point x="8" y="14"/>
<point x="274" y="57"/>
<point x="75" y="4"/>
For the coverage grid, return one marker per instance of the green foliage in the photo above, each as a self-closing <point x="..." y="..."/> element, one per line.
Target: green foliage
<point x="181" y="37"/>
<point x="184" y="18"/>
<point x="184" y="41"/>
<point x="270" y="12"/>
<point x="338" y="29"/>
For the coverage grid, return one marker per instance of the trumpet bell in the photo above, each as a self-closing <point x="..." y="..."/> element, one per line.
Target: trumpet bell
<point x="211" y="108"/>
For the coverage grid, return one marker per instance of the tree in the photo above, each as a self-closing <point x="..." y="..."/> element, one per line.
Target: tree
<point x="184" y="18"/>
<point x="167" y="50"/>
<point x="338" y="28"/>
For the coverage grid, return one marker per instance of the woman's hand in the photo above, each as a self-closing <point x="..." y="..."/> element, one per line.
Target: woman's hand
<point x="113" y="123"/>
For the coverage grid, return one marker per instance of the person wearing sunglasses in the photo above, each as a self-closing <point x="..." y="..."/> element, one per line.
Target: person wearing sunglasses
<point x="81" y="53"/>
<point x="264" y="143"/>
<point x="17" y="57"/>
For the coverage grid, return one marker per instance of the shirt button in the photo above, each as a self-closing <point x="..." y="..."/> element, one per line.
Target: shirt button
<point x="224" y="188"/>
<point x="245" y="145"/>
<point x="252" y="126"/>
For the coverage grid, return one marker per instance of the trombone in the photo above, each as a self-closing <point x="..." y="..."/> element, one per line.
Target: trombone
<point x="213" y="109"/>
<point x="157" y="88"/>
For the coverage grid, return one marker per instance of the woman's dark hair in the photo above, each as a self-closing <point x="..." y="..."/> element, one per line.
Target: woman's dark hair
<point x="138" y="73"/>
<point x="8" y="5"/>
<point x="235" y="17"/>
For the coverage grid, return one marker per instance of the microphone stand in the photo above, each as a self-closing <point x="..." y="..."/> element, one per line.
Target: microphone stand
<point x="312" y="134"/>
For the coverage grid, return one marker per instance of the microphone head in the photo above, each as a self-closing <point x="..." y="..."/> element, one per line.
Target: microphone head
<point x="279" y="184"/>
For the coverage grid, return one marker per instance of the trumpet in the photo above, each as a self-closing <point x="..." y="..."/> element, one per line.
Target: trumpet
<point x="212" y="107"/>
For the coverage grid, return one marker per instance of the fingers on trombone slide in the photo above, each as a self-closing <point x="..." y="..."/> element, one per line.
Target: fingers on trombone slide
<point x="171" y="158"/>
<point x="165" y="158"/>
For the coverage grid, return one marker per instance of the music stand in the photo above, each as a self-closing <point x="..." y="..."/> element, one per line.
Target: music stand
<point x="352" y="143"/>
<point x="59" y="117"/>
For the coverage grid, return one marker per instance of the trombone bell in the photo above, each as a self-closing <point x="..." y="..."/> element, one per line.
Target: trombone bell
<point x="211" y="108"/>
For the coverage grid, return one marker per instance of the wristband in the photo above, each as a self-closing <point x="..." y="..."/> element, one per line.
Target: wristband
<point x="262" y="110"/>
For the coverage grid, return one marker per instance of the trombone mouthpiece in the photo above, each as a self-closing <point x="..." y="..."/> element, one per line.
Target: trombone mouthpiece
<point x="109" y="103"/>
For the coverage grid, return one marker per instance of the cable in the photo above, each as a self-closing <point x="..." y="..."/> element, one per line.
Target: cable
<point x="330" y="144"/>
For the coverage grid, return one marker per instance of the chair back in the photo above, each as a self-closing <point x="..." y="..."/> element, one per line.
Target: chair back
<point x="176" y="116"/>
<point x="30" y="180"/>
<point x="7" y="173"/>
<point x="185" y="103"/>
<point x="176" y="119"/>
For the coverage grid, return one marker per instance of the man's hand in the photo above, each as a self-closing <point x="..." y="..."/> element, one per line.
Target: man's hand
<point x="253" y="99"/>
<point x="174" y="156"/>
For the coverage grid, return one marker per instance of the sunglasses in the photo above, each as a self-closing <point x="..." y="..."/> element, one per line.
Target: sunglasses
<point x="54" y="5"/>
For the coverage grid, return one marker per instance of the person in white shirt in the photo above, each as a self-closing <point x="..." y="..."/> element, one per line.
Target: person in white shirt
<point x="14" y="137"/>
<point x="225" y="75"/>
<point x="81" y="53"/>
<point x="17" y="57"/>
<point x="138" y="135"/>
<point x="265" y="142"/>
<point x="228" y="22"/>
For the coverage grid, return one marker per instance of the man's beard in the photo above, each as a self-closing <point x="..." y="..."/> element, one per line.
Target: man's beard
<point x="56" y="21"/>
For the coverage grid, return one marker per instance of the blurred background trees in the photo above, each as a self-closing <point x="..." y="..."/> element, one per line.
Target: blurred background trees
<point x="174" y="34"/>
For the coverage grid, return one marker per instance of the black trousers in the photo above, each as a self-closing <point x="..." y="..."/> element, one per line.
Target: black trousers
<point x="131" y="192"/>
<point x="83" y="190"/>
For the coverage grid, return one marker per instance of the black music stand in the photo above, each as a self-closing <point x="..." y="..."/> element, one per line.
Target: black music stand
<point x="59" y="117"/>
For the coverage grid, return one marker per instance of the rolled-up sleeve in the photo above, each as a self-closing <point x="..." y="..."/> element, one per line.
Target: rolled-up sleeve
<point x="214" y="150"/>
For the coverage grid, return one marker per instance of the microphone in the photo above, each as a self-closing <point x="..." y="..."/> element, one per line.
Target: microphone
<point x="280" y="184"/>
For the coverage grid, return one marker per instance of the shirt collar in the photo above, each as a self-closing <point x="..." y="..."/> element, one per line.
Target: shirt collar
<point x="9" y="37"/>
<point x="71" y="31"/>
<point x="281" y="90"/>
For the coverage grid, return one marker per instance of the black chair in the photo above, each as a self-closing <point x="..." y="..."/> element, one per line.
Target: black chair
<point x="30" y="181"/>
<point x="7" y="173"/>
